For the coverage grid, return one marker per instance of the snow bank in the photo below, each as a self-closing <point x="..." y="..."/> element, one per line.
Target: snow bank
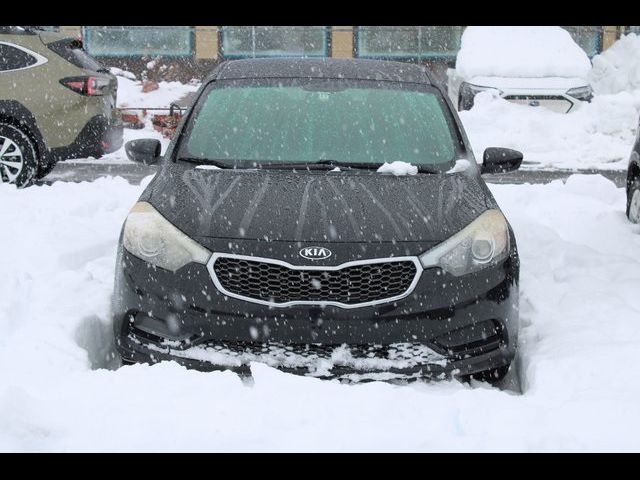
<point x="130" y="93"/>
<point x="599" y="135"/>
<point x="122" y="73"/>
<point x="59" y="391"/>
<point x="520" y="52"/>
<point x="617" y="69"/>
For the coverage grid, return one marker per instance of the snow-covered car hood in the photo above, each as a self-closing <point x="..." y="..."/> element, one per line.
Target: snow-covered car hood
<point x="520" y="51"/>
<point x="282" y="205"/>
<point x="561" y="84"/>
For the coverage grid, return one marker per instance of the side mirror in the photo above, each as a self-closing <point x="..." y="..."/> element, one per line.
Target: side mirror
<point x="500" y="160"/>
<point x="145" y="150"/>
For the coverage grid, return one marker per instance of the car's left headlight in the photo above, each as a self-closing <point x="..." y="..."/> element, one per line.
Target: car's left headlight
<point x="581" y="93"/>
<point x="467" y="94"/>
<point x="483" y="242"/>
<point x="152" y="238"/>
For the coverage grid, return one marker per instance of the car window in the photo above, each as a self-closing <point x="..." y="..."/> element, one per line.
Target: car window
<point x="12" y="58"/>
<point x="72" y="51"/>
<point x="343" y="121"/>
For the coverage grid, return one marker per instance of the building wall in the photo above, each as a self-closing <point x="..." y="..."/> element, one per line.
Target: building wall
<point x="207" y="52"/>
<point x="342" y="42"/>
<point x="207" y="46"/>
<point x="71" y="31"/>
<point x="610" y="35"/>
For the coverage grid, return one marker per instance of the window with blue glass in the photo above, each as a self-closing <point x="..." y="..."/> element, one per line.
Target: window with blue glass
<point x="405" y="42"/>
<point x="274" y="41"/>
<point x="588" y="37"/>
<point x="138" y="41"/>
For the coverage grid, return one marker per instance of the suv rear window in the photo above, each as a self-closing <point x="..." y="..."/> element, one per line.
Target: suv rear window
<point x="71" y="50"/>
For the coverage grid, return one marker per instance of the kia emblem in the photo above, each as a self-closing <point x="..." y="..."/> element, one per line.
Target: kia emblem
<point x="315" y="253"/>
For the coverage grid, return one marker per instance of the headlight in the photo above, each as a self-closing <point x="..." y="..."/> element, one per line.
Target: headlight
<point x="581" y="93"/>
<point x="150" y="237"/>
<point x="468" y="91"/>
<point x="482" y="243"/>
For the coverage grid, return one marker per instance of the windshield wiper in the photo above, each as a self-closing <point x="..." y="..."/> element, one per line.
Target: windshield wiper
<point x="324" y="164"/>
<point x="319" y="165"/>
<point x="331" y="164"/>
<point x="205" y="161"/>
<point x="427" y="169"/>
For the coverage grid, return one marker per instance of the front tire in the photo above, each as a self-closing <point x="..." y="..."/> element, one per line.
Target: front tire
<point x="18" y="157"/>
<point x="44" y="169"/>
<point x="633" y="201"/>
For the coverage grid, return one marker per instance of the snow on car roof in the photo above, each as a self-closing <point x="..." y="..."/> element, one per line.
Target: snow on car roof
<point x="502" y="51"/>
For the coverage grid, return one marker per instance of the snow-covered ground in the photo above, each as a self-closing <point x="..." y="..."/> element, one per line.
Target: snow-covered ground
<point x="579" y="344"/>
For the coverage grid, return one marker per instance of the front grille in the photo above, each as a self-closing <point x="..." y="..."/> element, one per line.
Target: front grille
<point x="535" y="97"/>
<point x="351" y="285"/>
<point x="556" y="103"/>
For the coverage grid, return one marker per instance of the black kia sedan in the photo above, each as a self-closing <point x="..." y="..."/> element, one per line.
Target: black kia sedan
<point x="325" y="217"/>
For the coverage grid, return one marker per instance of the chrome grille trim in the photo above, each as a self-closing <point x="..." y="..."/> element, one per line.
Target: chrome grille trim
<point x="224" y="291"/>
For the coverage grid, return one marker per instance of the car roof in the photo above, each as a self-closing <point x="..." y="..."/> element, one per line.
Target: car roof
<point x="355" y="69"/>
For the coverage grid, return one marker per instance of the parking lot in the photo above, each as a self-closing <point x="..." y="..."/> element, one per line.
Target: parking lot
<point x="545" y="260"/>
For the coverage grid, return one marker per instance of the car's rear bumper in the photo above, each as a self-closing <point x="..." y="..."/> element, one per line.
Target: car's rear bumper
<point x="99" y="136"/>
<point x="470" y="327"/>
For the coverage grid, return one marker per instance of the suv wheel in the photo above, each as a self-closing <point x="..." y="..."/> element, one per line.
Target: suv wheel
<point x="633" y="205"/>
<point x="18" y="158"/>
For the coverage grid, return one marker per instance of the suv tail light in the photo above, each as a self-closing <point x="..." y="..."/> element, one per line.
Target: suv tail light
<point x="88" y="86"/>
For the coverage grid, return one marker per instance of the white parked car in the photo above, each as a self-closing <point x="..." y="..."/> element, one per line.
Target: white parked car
<point x="536" y="66"/>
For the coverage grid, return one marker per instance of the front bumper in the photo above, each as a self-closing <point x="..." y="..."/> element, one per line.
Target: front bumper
<point x="455" y="325"/>
<point x="555" y="100"/>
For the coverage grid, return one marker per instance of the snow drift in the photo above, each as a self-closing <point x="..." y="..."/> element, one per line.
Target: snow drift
<point x="617" y="69"/>
<point x="599" y="135"/>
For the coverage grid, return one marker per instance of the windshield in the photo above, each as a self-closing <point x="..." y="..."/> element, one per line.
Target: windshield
<point x="342" y="121"/>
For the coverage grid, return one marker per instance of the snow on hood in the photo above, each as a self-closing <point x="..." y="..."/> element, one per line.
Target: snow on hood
<point x="502" y="51"/>
<point x="398" y="168"/>
<point x="287" y="206"/>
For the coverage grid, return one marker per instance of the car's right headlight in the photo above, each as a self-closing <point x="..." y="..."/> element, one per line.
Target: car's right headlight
<point x="482" y="243"/>
<point x="152" y="238"/>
